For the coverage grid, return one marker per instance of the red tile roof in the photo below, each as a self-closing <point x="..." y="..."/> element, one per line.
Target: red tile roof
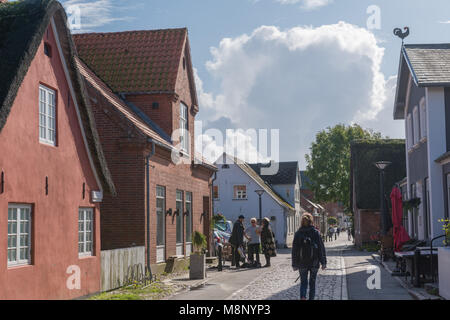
<point x="134" y="61"/>
<point x="116" y="102"/>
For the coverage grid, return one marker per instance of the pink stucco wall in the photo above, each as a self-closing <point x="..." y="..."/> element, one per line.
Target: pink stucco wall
<point x="26" y="163"/>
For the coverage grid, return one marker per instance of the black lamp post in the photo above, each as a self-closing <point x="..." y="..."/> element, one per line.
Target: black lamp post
<point x="382" y="165"/>
<point x="260" y="192"/>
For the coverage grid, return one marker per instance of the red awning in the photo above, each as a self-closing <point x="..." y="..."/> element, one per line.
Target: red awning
<point x="399" y="232"/>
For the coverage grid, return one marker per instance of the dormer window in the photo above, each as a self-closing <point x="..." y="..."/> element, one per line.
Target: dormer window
<point x="184" y="134"/>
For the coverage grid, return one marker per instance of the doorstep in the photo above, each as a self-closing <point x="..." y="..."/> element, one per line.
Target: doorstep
<point x="416" y="293"/>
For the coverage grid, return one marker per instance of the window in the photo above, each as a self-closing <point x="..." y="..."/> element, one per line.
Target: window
<point x="179" y="217"/>
<point x="184" y="134"/>
<point x="85" y="231"/>
<point x="409" y="136"/>
<point x="19" y="235"/>
<point x="416" y="129"/>
<point x="47" y="116"/>
<point x="216" y="192"/>
<point x="240" y="192"/>
<point x="47" y="50"/>
<point x="189" y="217"/>
<point x="423" y="119"/>
<point x="160" y="215"/>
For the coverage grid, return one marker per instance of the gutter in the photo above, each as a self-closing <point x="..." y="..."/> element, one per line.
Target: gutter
<point x="147" y="173"/>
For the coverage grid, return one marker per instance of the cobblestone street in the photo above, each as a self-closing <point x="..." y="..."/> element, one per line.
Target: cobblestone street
<point x="279" y="282"/>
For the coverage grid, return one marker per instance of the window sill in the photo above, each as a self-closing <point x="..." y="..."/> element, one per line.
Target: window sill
<point x="19" y="266"/>
<point x="239" y="199"/>
<point x="86" y="256"/>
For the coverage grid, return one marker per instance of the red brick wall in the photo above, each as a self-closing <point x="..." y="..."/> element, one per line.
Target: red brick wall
<point x="367" y="224"/>
<point x="124" y="217"/>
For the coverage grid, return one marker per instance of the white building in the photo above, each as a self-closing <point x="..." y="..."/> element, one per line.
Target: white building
<point x="234" y="195"/>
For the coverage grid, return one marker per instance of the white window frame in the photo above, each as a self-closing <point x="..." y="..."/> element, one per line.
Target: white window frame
<point x="416" y="128"/>
<point x="189" y="200"/>
<point x="423" y="118"/>
<point x="409" y="131"/>
<point x="84" y="222"/>
<point x="239" y="194"/>
<point x="184" y="127"/>
<point x="18" y="233"/>
<point x="179" y="218"/>
<point x="47" y="115"/>
<point x="161" y="195"/>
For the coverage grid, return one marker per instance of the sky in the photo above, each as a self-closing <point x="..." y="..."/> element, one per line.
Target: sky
<point x="296" y="66"/>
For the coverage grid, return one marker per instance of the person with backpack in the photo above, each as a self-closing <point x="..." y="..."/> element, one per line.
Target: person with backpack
<point x="308" y="253"/>
<point x="268" y="241"/>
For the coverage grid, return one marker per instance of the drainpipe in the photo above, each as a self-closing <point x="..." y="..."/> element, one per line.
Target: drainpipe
<point x="211" y="240"/>
<point x="147" y="173"/>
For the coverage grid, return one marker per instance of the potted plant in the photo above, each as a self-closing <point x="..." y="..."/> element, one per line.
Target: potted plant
<point x="444" y="261"/>
<point x="197" y="269"/>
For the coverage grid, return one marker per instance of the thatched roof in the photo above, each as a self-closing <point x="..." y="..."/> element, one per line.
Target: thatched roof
<point x="22" y="27"/>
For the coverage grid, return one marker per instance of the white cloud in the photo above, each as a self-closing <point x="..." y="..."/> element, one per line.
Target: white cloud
<point x="92" y="14"/>
<point x="300" y="81"/>
<point x="307" y="4"/>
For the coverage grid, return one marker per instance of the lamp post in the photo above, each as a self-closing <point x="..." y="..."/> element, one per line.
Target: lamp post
<point x="260" y="192"/>
<point x="382" y="165"/>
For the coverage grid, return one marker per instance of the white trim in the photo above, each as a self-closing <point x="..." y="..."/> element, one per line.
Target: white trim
<point x="86" y="253"/>
<point x="72" y="92"/>
<point x="46" y="113"/>
<point x="18" y="261"/>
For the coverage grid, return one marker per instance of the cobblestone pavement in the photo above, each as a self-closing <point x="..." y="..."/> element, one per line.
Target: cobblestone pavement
<point x="279" y="281"/>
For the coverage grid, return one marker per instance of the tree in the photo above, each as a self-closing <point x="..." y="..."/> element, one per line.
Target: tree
<point x="328" y="164"/>
<point x="332" y="221"/>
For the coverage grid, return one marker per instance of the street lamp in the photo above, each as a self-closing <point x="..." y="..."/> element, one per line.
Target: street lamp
<point x="382" y="165"/>
<point x="260" y="193"/>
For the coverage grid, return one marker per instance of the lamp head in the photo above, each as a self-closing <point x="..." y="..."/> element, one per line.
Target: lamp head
<point x="382" y="164"/>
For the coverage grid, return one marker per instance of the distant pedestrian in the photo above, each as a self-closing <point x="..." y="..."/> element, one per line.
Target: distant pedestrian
<point x="237" y="240"/>
<point x="253" y="232"/>
<point x="335" y="233"/>
<point x="330" y="233"/>
<point x="308" y="253"/>
<point x="268" y="241"/>
<point x="349" y="234"/>
<point x="338" y="231"/>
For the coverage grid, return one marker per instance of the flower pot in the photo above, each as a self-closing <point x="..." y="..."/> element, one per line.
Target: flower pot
<point x="197" y="269"/>
<point x="444" y="272"/>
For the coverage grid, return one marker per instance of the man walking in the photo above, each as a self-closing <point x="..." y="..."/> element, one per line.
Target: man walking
<point x="308" y="253"/>
<point x="237" y="240"/>
<point x="253" y="232"/>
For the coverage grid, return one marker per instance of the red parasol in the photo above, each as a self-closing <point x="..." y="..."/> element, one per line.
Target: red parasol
<point x="400" y="234"/>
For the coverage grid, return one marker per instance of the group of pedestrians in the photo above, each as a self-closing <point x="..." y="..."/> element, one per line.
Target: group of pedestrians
<point x="258" y="237"/>
<point x="308" y="250"/>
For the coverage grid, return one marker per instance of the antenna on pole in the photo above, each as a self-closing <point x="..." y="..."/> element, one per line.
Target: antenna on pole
<point x="402" y="35"/>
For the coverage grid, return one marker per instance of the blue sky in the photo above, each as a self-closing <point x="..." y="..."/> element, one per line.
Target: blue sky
<point x="269" y="35"/>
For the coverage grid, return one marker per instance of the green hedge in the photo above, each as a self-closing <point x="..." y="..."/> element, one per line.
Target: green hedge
<point x="367" y="177"/>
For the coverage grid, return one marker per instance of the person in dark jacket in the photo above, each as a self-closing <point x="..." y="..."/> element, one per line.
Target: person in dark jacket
<point x="237" y="240"/>
<point x="268" y="241"/>
<point x="308" y="253"/>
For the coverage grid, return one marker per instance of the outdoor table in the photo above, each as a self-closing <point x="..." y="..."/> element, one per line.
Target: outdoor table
<point x="410" y="263"/>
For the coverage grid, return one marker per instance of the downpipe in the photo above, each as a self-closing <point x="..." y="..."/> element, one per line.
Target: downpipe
<point x="147" y="173"/>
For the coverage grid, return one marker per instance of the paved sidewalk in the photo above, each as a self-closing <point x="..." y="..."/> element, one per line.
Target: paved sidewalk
<point x="279" y="282"/>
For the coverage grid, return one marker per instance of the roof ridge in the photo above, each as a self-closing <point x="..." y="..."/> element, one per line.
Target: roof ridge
<point x="130" y="31"/>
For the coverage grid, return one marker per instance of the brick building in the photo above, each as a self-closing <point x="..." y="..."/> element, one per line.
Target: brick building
<point x="365" y="183"/>
<point x="142" y="88"/>
<point x="52" y="168"/>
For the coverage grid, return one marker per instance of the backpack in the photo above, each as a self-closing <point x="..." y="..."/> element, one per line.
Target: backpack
<point x="309" y="250"/>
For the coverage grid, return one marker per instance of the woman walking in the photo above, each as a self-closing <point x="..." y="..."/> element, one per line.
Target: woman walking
<point x="308" y="253"/>
<point x="267" y="241"/>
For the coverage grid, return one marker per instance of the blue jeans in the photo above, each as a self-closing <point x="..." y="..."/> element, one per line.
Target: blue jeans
<point x="304" y="282"/>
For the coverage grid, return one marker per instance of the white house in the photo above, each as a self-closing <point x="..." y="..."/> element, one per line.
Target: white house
<point x="423" y="101"/>
<point x="234" y="195"/>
